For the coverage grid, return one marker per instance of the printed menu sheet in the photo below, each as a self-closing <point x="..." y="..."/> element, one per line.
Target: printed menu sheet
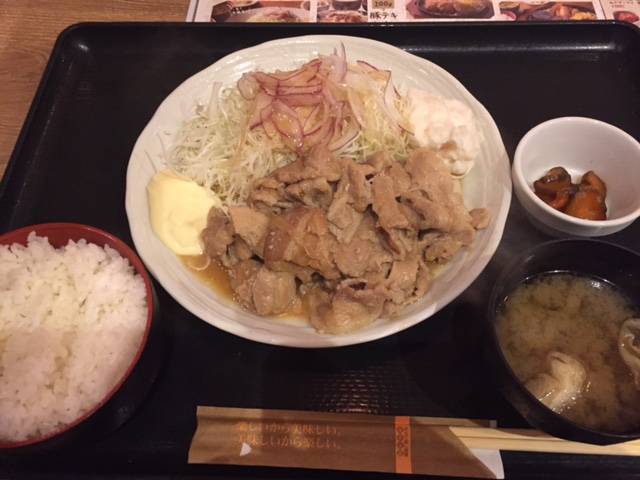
<point x="371" y="11"/>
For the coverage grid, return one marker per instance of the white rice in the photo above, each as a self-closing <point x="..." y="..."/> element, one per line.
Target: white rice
<point x="71" y="321"/>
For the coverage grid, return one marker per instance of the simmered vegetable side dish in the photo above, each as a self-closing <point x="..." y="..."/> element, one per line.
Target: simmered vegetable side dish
<point x="585" y="200"/>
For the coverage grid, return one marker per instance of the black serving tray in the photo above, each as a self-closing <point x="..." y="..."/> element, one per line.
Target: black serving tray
<point x="103" y="84"/>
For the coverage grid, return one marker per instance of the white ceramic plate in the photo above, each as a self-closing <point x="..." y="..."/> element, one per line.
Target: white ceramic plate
<point x="488" y="185"/>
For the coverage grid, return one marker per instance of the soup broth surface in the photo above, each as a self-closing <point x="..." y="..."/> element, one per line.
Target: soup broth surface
<point x="581" y="317"/>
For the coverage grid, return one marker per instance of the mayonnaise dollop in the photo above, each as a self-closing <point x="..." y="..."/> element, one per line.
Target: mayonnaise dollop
<point x="178" y="210"/>
<point x="445" y="125"/>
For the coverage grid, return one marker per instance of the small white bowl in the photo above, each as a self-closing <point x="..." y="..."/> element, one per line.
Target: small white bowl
<point x="579" y="144"/>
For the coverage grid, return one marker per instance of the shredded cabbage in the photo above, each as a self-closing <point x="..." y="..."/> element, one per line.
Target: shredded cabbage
<point x="379" y="133"/>
<point x="207" y="150"/>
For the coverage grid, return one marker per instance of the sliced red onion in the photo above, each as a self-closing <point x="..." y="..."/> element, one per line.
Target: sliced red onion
<point x="283" y="75"/>
<point x="267" y="125"/>
<point x="339" y="65"/>
<point x="288" y="124"/>
<point x="366" y="66"/>
<point x="267" y="90"/>
<point x="265" y="115"/>
<point x="365" y="82"/>
<point x="302" y="76"/>
<point x="382" y="75"/>
<point x="328" y="96"/>
<point x="356" y="105"/>
<point x="391" y="110"/>
<point x="314" y="131"/>
<point x="342" y="54"/>
<point x="268" y="82"/>
<point x="248" y="86"/>
<point x="311" y="123"/>
<point x="269" y="129"/>
<point x="346" y="137"/>
<point x="334" y="93"/>
<point x="287" y="75"/>
<point x="266" y="78"/>
<point x="338" y="111"/>
<point x="378" y="78"/>
<point x="303" y="100"/>
<point x="310" y="105"/>
<point x="300" y="89"/>
<point x="331" y="132"/>
<point x="279" y="106"/>
<point x="320" y="135"/>
<point x="359" y="81"/>
<point x="261" y="102"/>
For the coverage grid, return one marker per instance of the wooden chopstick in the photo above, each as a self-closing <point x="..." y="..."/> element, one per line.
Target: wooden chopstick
<point x="524" y="440"/>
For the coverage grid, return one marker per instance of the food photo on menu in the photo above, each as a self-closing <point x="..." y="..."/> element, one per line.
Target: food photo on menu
<point x="290" y="11"/>
<point x="548" y="11"/>
<point x="342" y="11"/>
<point x="450" y="9"/>
<point x="260" y="11"/>
<point x="363" y="11"/>
<point x="623" y="10"/>
<point x="626" y="16"/>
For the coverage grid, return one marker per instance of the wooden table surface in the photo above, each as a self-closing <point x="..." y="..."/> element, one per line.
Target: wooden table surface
<point x="28" y="30"/>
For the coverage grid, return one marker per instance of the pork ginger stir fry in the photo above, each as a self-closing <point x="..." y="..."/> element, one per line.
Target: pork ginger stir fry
<point x="355" y="241"/>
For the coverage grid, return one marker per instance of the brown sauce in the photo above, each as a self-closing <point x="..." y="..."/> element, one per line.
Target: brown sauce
<point x="216" y="277"/>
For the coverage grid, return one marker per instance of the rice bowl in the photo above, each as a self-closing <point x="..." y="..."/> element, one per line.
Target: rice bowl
<point x="87" y="306"/>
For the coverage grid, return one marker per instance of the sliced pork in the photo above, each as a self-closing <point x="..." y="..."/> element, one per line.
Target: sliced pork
<point x="353" y="305"/>
<point x="357" y="240"/>
<point x="251" y="226"/>
<point x="273" y="292"/>
<point x="218" y="234"/>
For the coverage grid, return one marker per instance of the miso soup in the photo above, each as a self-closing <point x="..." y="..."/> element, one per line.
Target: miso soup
<point x="560" y="333"/>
